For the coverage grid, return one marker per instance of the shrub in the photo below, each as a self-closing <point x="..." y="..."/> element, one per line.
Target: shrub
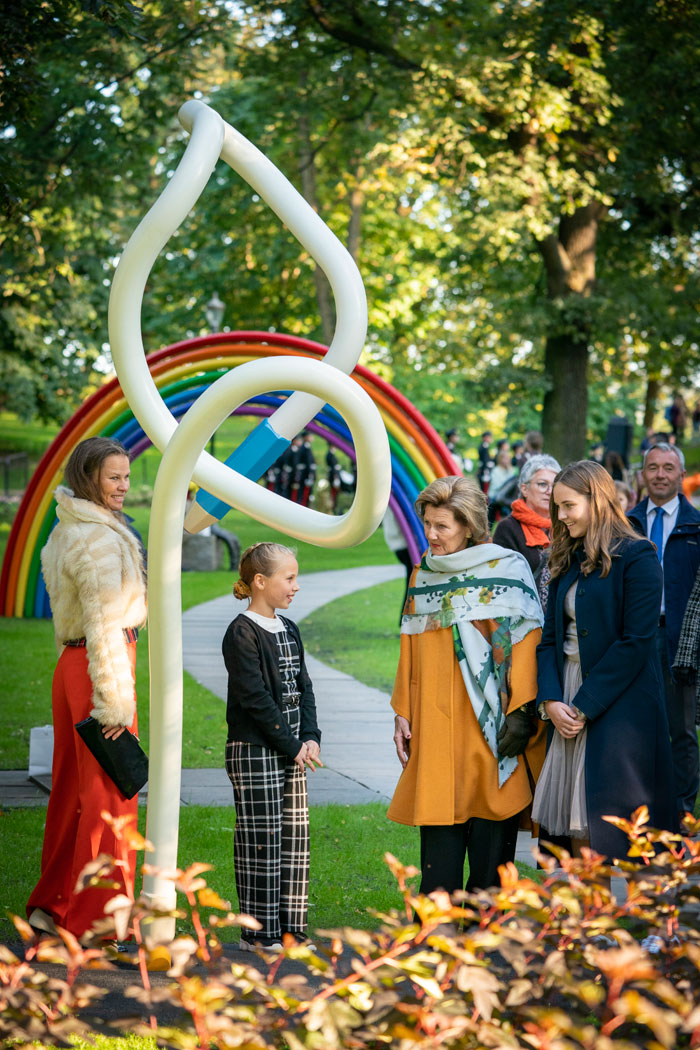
<point x="556" y="964"/>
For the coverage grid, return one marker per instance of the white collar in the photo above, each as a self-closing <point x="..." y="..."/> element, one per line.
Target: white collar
<point x="273" y="626"/>
<point x="668" y="508"/>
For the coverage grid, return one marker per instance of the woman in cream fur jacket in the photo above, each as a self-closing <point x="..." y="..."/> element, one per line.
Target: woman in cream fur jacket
<point x="94" y="573"/>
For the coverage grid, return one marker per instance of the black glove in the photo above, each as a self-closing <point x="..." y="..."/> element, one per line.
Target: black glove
<point x="516" y="731"/>
<point x="684" y="675"/>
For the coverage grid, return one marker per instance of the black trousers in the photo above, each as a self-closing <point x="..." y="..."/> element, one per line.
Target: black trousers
<point x="443" y="848"/>
<point x="271" y="838"/>
<point x="680" y="707"/>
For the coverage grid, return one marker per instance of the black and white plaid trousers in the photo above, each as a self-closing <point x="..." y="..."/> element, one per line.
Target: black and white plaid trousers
<point x="271" y="839"/>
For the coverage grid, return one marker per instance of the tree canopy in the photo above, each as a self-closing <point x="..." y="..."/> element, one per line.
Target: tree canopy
<point x="518" y="182"/>
<point x="87" y="89"/>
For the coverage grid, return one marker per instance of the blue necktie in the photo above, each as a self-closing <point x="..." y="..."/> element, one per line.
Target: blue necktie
<point x="657" y="533"/>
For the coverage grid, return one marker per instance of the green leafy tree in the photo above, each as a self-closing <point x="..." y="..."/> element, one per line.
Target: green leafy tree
<point x="86" y="86"/>
<point x="534" y="119"/>
<point x="520" y="197"/>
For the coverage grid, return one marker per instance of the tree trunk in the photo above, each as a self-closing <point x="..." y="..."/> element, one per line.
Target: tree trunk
<point x="307" y="165"/>
<point x="569" y="259"/>
<point x="357" y="203"/>
<point x="566" y="402"/>
<point x="652" y="394"/>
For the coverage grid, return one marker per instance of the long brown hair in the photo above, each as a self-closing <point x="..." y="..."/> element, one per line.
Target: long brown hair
<point x="82" y="473"/>
<point x="608" y="525"/>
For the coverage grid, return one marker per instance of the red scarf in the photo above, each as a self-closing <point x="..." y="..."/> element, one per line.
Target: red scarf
<point x="534" y="525"/>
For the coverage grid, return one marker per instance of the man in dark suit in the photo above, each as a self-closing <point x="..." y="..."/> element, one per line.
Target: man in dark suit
<point x="486" y="460"/>
<point x="673" y="524"/>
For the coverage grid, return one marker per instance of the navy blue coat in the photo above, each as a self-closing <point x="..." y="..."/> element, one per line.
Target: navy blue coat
<point x="681" y="563"/>
<point x="254" y="697"/>
<point x="628" y="754"/>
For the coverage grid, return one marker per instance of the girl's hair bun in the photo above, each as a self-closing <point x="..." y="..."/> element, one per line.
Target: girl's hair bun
<point x="241" y="589"/>
<point x="263" y="558"/>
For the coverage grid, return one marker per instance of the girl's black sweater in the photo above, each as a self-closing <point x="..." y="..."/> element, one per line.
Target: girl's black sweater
<point x="254" y="697"/>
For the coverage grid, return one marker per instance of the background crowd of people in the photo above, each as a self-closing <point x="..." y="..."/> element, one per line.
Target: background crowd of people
<point x="298" y="473"/>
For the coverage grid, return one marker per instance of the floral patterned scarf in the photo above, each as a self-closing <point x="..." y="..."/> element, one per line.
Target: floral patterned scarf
<point x="483" y="582"/>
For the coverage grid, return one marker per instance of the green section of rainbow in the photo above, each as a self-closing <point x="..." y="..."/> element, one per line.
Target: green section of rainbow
<point x="182" y="372"/>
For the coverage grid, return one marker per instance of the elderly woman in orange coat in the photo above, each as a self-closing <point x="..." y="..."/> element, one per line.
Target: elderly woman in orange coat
<point x="465" y="727"/>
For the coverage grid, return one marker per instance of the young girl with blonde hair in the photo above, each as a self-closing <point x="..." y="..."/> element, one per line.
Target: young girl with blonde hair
<point x="272" y="737"/>
<point x="598" y="676"/>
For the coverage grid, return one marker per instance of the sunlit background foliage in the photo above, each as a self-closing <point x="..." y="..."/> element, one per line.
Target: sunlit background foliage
<point x="517" y="181"/>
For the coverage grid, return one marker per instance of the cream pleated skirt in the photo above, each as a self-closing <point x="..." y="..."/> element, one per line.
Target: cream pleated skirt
<point x="559" y="805"/>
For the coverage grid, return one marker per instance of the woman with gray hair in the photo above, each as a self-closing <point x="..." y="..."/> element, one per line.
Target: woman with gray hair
<point x="464" y="727"/>
<point x="528" y="529"/>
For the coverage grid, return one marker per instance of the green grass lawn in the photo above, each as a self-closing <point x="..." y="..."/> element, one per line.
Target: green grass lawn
<point x="105" y="1042"/>
<point x="27" y="661"/>
<point x="359" y="634"/>
<point x="18" y="435"/>
<point x="345" y="881"/>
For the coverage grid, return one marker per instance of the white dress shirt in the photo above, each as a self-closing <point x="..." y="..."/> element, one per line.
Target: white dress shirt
<point x="670" y="510"/>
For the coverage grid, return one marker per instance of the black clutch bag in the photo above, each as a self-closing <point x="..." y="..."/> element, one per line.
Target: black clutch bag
<point x="123" y="759"/>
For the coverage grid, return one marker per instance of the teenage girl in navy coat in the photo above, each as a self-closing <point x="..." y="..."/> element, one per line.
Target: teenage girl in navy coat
<point x="598" y="678"/>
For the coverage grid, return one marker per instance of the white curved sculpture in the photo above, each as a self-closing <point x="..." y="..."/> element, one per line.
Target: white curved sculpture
<point x="183" y="444"/>
<point x="211" y="138"/>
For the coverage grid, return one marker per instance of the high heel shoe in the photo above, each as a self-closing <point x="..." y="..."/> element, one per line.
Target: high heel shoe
<point x="42" y="923"/>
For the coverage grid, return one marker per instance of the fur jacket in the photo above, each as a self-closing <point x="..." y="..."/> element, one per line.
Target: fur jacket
<point x="93" y="568"/>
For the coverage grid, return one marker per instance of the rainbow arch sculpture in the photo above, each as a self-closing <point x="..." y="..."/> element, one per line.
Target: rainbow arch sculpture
<point x="182" y="372"/>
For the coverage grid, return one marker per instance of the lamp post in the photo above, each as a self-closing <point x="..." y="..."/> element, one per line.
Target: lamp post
<point x="214" y="313"/>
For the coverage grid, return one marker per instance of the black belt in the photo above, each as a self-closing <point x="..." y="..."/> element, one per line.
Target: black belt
<point x="130" y="633"/>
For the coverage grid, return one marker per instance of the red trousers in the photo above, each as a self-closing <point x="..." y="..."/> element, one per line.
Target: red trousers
<point x="75" y="833"/>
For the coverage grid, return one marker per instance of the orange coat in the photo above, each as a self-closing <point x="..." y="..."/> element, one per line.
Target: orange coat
<point x="451" y="773"/>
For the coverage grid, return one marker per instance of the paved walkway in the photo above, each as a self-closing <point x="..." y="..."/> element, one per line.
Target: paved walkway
<point x="356" y="720"/>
